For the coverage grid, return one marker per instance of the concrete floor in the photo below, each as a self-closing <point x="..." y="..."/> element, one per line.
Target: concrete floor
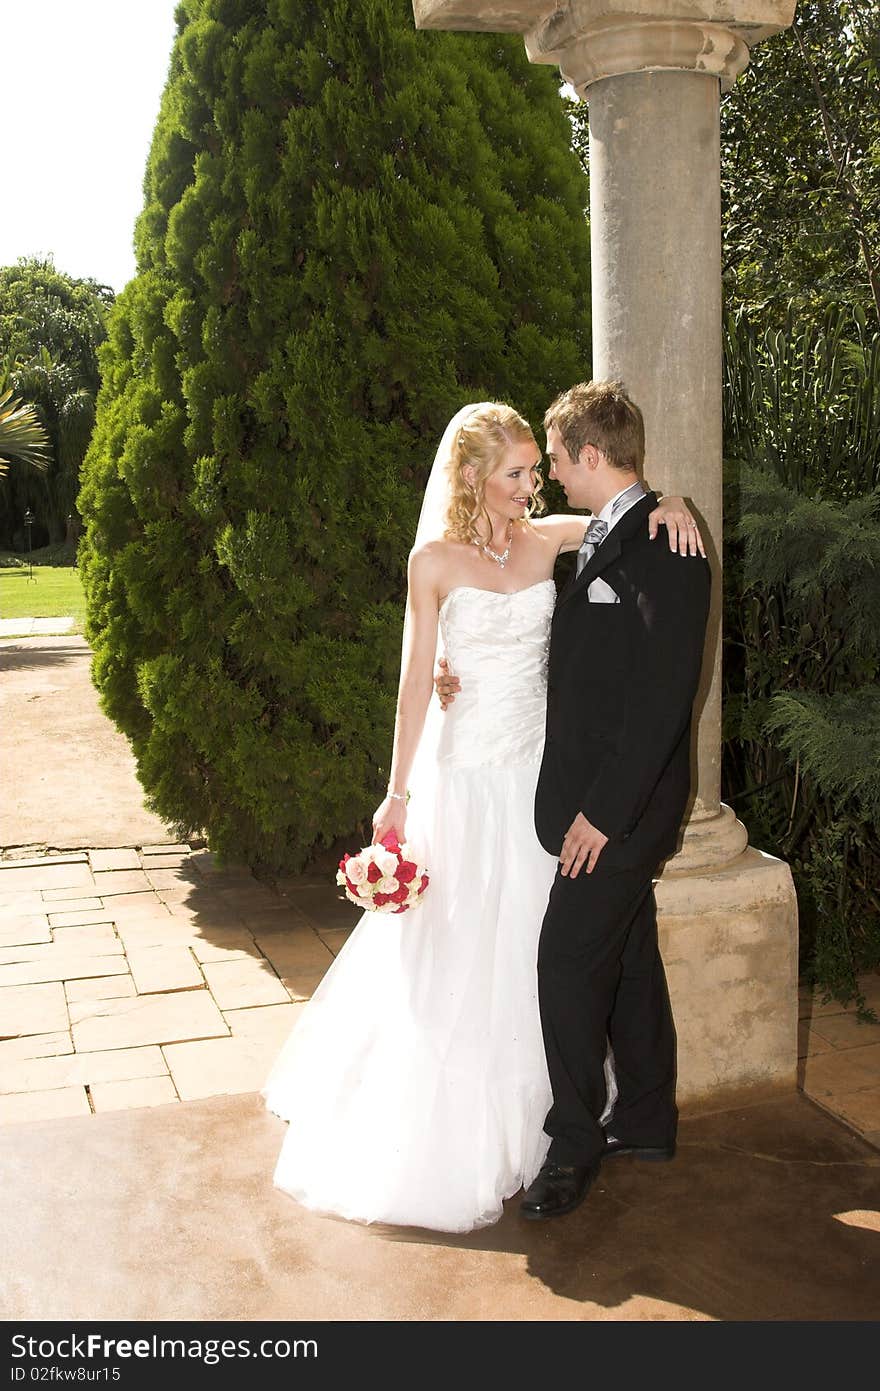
<point x="770" y="1213"/>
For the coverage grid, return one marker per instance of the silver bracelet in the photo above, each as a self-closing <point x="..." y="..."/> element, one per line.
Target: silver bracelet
<point x="399" y="796"/>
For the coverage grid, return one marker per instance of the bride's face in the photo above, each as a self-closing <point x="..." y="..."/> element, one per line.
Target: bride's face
<point x="509" y="489"/>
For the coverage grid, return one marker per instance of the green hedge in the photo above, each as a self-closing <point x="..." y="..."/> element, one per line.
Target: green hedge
<point x="350" y="229"/>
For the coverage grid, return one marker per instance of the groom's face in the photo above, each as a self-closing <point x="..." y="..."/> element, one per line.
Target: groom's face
<point x="572" y="474"/>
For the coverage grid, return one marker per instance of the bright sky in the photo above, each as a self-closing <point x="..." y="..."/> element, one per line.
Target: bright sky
<point x="82" y="80"/>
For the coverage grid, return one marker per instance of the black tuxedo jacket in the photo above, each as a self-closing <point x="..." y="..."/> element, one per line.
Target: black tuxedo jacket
<point x="621" y="682"/>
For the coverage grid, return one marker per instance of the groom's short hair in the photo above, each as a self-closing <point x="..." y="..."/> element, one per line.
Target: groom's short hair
<point x="602" y="414"/>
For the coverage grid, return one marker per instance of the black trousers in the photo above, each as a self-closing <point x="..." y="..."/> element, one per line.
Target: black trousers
<point x="601" y="979"/>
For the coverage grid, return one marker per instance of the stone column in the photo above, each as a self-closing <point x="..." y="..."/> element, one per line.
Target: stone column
<point x="652" y="72"/>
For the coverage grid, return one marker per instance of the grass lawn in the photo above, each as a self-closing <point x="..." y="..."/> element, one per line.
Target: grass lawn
<point x="55" y="592"/>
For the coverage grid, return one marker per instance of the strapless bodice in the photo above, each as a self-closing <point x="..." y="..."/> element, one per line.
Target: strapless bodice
<point x="496" y="644"/>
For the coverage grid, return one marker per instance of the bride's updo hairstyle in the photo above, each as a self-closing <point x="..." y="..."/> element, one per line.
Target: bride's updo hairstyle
<point x="481" y="442"/>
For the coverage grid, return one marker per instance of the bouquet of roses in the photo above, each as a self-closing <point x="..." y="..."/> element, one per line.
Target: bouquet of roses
<point x="383" y="878"/>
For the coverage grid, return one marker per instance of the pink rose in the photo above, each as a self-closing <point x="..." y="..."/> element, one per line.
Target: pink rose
<point x="356" y="870"/>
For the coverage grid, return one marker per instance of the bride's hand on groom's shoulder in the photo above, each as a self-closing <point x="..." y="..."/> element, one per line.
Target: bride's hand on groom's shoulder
<point x="445" y="684"/>
<point x="681" y="526"/>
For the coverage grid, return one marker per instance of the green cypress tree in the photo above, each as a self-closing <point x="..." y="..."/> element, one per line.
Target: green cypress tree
<point x="350" y="229"/>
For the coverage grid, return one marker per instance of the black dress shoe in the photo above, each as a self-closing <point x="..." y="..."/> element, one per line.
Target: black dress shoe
<point x="559" y="1188"/>
<point x="656" y="1153"/>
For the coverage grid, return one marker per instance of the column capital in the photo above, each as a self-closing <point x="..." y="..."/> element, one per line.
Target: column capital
<point x="592" y="39"/>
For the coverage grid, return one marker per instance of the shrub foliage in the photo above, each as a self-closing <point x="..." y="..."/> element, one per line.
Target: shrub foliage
<point x="802" y="644"/>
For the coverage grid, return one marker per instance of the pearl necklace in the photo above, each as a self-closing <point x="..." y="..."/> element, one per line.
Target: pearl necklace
<point x="487" y="550"/>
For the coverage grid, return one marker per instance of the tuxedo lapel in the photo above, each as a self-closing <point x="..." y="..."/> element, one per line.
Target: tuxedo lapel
<point x="629" y="525"/>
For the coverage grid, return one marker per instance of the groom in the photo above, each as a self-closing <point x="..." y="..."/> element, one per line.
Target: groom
<point x="626" y="648"/>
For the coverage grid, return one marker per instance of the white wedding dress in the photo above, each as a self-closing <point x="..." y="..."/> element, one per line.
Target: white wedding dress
<point x="415" y="1082"/>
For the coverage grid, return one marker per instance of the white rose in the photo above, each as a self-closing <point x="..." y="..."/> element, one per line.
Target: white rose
<point x="387" y="862"/>
<point x="356" y="870"/>
<point x="388" y="885"/>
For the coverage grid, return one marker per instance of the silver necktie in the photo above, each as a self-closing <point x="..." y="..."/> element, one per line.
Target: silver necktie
<point x="595" y="535"/>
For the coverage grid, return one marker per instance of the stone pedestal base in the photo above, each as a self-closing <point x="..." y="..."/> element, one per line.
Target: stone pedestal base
<point x="729" y="943"/>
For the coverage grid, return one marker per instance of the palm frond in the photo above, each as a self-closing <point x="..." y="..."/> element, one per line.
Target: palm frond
<point x="22" y="435"/>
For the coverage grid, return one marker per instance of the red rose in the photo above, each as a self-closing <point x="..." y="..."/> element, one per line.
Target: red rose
<point x="352" y="888"/>
<point x="374" y="873"/>
<point x="399" y="910"/>
<point x="400" y="895"/>
<point x="344" y="861"/>
<point x="379" y="899"/>
<point x="390" y="841"/>
<point x="424" y="884"/>
<point x="405" y="872"/>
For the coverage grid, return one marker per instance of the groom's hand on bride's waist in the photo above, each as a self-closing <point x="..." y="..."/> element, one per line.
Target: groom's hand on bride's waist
<point x="445" y="684"/>
<point x="581" y="848"/>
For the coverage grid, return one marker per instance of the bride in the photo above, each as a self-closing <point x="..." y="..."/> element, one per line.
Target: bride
<point x="415" y="1082"/>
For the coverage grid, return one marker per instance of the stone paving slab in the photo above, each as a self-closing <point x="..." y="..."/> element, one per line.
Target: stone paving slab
<point x="300" y="959"/>
<point x="137" y="906"/>
<point x="42" y="1106"/>
<point x="335" y="938"/>
<point x="22" y="902"/>
<point x="148" y="932"/>
<point x="71" y="857"/>
<point x="60" y="967"/>
<point x="110" y="882"/>
<point x="221" y="1067"/>
<point x="81" y="1069"/>
<point x="146" y="1019"/>
<point x="87" y="937"/>
<point x="126" y="858"/>
<point x="245" y="981"/>
<point x="67" y="901"/>
<point x="126" y="1096"/>
<point x="33" y="1009"/>
<point x="163" y="968"/>
<point x="15" y="932"/>
<point x="92" y="944"/>
<point x="840" y="1030"/>
<point x="224" y="944"/>
<point x="35" y="1046"/>
<point x="80" y="917"/>
<point x="263" y="1021"/>
<point x="99" y="988"/>
<point x="840" y="1072"/>
<point x="174" y="878"/>
<point x="861" y="1109"/>
<point x="70" y="874"/>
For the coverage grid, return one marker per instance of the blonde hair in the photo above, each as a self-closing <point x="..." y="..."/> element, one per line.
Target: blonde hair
<point x="480" y="444"/>
<point x="602" y="414"/>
